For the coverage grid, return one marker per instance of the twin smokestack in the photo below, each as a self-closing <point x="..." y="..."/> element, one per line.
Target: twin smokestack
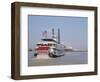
<point x="58" y="34"/>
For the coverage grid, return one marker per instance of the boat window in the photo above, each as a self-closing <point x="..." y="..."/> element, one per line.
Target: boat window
<point x="45" y="44"/>
<point x="48" y="40"/>
<point x="38" y="44"/>
<point x="49" y="44"/>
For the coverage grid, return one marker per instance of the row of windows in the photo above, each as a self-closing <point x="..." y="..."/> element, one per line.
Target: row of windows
<point x="45" y="44"/>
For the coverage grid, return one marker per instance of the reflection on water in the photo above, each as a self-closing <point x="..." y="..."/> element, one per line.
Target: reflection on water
<point x="70" y="58"/>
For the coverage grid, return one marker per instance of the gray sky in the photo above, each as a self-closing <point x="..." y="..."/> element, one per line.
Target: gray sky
<point x="73" y="29"/>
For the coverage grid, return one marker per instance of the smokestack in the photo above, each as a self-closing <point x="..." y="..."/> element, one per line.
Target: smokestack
<point x="58" y="36"/>
<point x="52" y="31"/>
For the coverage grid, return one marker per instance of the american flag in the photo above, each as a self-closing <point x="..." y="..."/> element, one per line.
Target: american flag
<point x="44" y="33"/>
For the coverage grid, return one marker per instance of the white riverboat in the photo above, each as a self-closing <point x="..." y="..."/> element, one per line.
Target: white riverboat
<point x="50" y="47"/>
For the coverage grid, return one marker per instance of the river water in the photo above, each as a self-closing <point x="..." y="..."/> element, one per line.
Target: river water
<point x="70" y="58"/>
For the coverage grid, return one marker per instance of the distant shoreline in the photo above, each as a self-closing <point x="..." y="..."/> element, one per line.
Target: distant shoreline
<point x="68" y="50"/>
<point x="77" y="51"/>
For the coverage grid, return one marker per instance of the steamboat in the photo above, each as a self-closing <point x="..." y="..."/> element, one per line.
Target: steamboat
<point x="50" y="47"/>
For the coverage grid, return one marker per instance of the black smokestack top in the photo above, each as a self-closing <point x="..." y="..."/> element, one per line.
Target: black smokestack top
<point x="58" y="36"/>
